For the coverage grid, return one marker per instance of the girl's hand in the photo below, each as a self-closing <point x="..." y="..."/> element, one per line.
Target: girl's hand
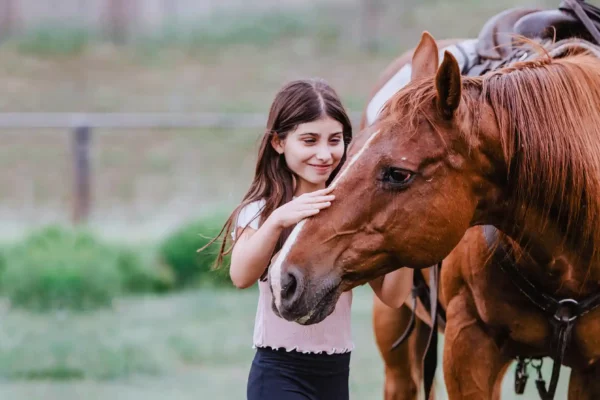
<point x="301" y="207"/>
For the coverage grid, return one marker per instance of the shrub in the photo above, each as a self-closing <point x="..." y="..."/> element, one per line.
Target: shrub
<point x="61" y="268"/>
<point x="180" y="252"/>
<point x="141" y="272"/>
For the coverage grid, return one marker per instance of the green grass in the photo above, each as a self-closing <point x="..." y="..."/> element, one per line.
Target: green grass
<point x="193" y="345"/>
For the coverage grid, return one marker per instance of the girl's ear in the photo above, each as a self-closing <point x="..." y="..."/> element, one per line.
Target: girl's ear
<point x="277" y="144"/>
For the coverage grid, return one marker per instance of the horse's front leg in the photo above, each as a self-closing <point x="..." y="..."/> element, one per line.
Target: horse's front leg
<point x="473" y="363"/>
<point x="585" y="385"/>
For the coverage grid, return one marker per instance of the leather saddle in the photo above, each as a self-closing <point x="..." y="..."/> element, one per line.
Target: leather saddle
<point x="497" y="39"/>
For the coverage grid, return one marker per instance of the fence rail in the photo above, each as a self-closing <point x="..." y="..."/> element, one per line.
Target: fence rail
<point x="136" y="120"/>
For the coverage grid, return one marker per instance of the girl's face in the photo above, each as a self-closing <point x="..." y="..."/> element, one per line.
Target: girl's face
<point x="312" y="151"/>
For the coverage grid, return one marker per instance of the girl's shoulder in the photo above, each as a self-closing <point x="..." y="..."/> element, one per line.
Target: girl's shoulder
<point x="249" y="215"/>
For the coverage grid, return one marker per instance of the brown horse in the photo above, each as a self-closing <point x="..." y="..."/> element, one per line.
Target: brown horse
<point x="519" y="149"/>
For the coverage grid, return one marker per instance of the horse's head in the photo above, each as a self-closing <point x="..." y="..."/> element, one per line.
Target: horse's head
<point x="411" y="189"/>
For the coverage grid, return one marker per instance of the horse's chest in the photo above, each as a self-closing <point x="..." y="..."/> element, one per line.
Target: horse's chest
<point x="586" y="336"/>
<point x="513" y="319"/>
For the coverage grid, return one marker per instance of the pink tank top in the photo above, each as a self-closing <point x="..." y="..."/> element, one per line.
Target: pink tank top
<point x="332" y="335"/>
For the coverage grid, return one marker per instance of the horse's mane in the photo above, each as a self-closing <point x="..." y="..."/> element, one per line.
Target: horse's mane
<point x="549" y="113"/>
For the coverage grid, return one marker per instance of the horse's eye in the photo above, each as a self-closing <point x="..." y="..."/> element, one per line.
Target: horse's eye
<point x="397" y="177"/>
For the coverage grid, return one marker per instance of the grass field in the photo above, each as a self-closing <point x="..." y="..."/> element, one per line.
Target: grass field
<point x="194" y="345"/>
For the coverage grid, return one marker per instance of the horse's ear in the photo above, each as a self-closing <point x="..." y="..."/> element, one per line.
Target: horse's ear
<point x="425" y="58"/>
<point x="448" y="84"/>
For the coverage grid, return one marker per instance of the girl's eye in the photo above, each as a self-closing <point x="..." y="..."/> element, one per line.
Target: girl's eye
<point x="310" y="141"/>
<point x="336" y="140"/>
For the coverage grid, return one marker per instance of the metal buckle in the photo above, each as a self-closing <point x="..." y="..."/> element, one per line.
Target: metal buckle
<point x="566" y="310"/>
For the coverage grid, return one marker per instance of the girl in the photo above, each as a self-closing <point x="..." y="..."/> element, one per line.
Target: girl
<point x="303" y="148"/>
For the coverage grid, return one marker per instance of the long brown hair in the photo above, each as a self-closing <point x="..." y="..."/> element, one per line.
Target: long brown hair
<point x="296" y="103"/>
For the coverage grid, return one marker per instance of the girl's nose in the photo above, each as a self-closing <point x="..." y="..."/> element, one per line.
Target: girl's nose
<point x="324" y="154"/>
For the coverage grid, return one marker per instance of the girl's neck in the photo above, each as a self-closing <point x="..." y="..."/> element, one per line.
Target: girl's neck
<point x="303" y="186"/>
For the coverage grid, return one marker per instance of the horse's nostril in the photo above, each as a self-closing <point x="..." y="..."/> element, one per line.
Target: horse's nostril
<point x="289" y="284"/>
<point x="292" y="286"/>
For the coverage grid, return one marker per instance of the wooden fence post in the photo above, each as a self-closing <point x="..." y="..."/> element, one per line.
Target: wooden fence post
<point x="369" y="32"/>
<point x="7" y="18"/>
<point x="119" y="14"/>
<point x="81" y="167"/>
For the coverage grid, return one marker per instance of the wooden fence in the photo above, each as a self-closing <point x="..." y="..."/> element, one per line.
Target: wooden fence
<point x="82" y="125"/>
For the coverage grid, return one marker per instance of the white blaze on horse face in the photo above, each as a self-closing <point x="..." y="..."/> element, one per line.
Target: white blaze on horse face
<point x="275" y="270"/>
<point x="353" y="160"/>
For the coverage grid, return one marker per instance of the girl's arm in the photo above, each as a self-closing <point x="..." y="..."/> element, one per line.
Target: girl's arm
<point x="253" y="250"/>
<point x="394" y="287"/>
<point x="252" y="253"/>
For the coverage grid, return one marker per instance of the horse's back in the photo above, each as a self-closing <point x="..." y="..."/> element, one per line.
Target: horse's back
<point x="393" y="68"/>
